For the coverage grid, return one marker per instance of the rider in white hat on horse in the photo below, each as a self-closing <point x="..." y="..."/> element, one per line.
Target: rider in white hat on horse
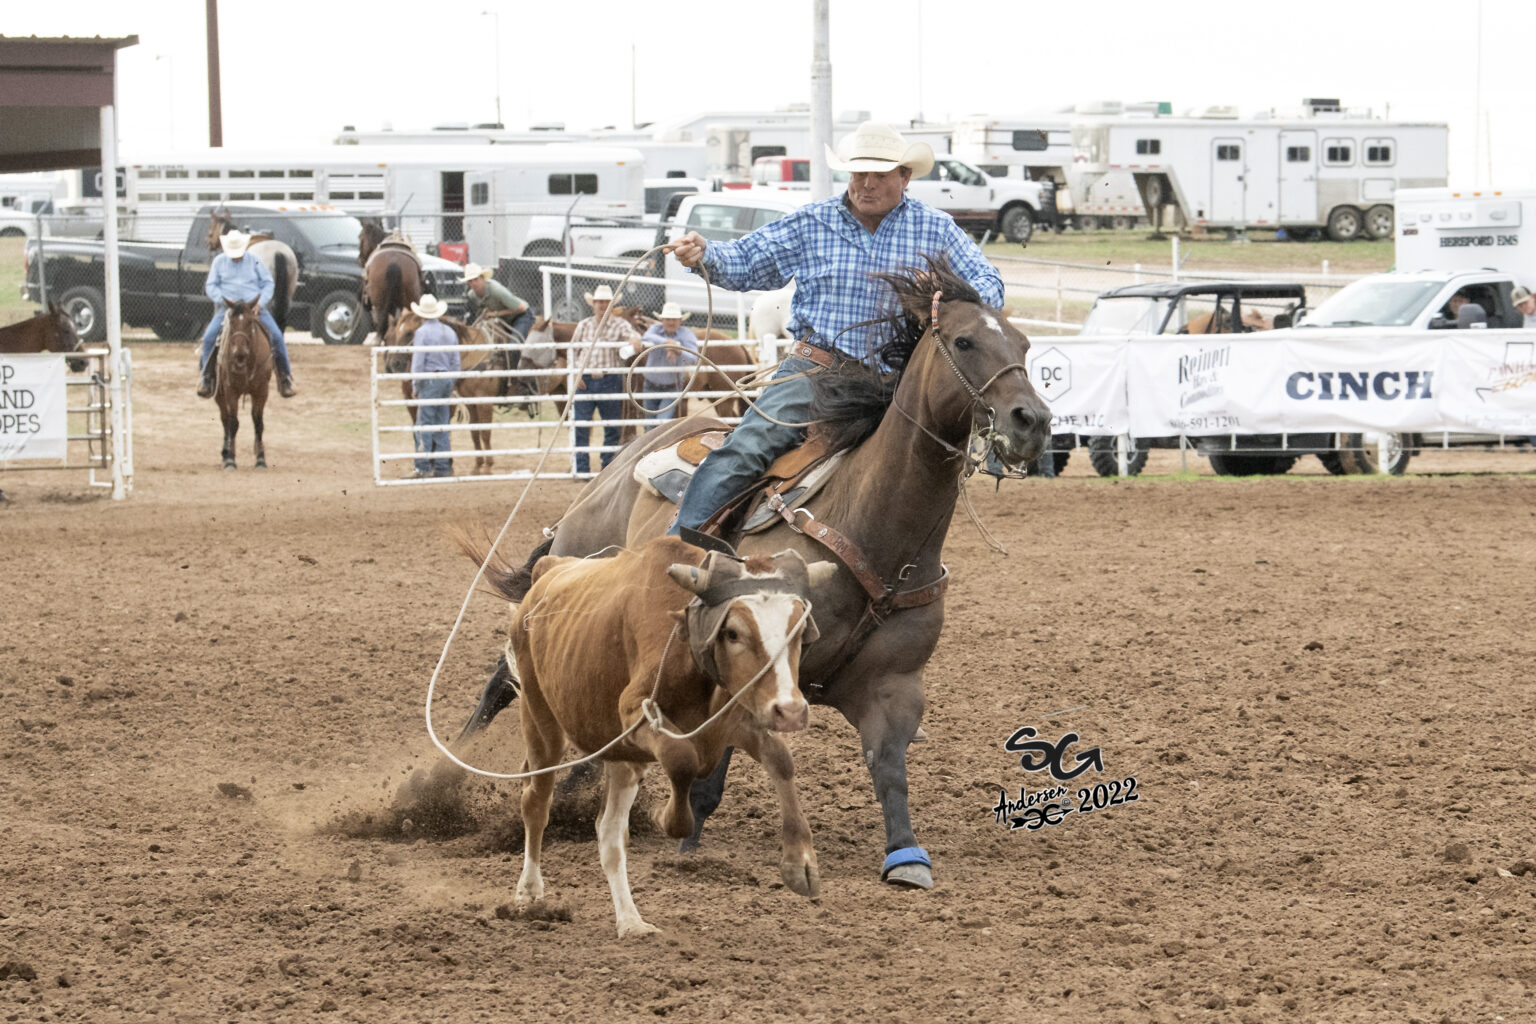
<point x="236" y="278"/>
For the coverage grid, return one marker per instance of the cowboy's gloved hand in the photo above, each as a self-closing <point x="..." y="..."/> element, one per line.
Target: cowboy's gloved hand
<point x="689" y="249"/>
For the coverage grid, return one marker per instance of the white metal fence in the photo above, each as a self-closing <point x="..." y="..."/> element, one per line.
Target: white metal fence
<point x="90" y="394"/>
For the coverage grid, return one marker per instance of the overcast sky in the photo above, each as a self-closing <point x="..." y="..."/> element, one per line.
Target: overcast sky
<point x="295" y="72"/>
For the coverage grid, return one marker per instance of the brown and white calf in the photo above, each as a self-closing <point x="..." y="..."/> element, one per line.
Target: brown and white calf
<point x="595" y="638"/>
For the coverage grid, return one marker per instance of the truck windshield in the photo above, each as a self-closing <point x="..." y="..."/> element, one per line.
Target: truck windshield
<point x="1374" y="303"/>
<point x="329" y="230"/>
<point x="1130" y="315"/>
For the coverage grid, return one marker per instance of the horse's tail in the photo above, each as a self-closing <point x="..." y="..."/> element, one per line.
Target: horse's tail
<point x="280" y="276"/>
<point x="394" y="286"/>
<point x="505" y="581"/>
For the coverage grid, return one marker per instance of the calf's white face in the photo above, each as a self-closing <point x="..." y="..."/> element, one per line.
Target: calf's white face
<point x="765" y="630"/>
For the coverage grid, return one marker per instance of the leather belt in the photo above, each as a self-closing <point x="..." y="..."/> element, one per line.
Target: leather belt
<point x="822" y="357"/>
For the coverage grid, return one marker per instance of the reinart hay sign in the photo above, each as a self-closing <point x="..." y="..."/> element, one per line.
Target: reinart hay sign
<point x="33" y="420"/>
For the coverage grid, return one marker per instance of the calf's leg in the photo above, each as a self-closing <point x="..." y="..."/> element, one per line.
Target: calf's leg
<point x="613" y="837"/>
<point x="797" y="860"/>
<point x="545" y="741"/>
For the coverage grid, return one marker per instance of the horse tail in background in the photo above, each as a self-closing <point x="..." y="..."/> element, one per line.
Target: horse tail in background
<point x="280" y="275"/>
<point x="393" y="288"/>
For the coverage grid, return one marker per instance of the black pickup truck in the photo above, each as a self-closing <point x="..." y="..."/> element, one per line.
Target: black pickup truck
<point x="162" y="283"/>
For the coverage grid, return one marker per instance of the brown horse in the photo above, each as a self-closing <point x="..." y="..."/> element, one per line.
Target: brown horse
<point x="959" y="371"/>
<point x="244" y="368"/>
<point x="392" y="276"/>
<point x="479" y="413"/>
<point x="52" y="331"/>
<point x="280" y="260"/>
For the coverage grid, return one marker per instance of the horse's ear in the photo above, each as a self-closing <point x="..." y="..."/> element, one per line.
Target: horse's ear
<point x="231" y="304"/>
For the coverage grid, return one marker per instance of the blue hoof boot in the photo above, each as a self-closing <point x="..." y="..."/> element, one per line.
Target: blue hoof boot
<point x="909" y="868"/>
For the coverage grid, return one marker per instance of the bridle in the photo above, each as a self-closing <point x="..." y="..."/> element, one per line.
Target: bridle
<point x="248" y="325"/>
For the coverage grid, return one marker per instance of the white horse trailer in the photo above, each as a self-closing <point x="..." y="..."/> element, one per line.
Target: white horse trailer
<point x="1329" y="169"/>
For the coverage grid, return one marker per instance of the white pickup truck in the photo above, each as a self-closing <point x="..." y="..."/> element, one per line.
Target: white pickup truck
<point x="720" y="217"/>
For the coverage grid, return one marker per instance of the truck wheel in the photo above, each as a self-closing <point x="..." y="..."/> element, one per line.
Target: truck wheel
<point x="176" y="330"/>
<point x="1016" y="224"/>
<point x="1234" y="464"/>
<point x="1088" y="223"/>
<point x="1102" y="453"/>
<point x="12" y="232"/>
<point x="338" y="319"/>
<point x="1344" y="224"/>
<point x="543" y="248"/>
<point x="1360" y="453"/>
<point x="571" y="310"/>
<point x="87" y="307"/>
<point x="1379" y="221"/>
<point x="1331" y="463"/>
<point x="1122" y="223"/>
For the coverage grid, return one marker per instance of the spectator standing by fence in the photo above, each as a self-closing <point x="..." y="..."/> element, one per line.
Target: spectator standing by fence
<point x="666" y="368"/>
<point x="595" y="351"/>
<point x="437" y="351"/>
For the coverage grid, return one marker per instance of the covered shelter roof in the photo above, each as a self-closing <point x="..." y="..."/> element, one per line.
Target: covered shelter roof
<point x="52" y="89"/>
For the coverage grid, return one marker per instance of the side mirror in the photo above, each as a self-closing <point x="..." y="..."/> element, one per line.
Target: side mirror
<point x="1440" y="323"/>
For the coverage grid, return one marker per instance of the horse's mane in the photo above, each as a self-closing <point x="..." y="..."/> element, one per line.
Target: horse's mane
<point x="849" y="400"/>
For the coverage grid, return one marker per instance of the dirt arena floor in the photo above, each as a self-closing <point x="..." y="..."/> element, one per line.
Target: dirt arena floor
<point x="1322" y="686"/>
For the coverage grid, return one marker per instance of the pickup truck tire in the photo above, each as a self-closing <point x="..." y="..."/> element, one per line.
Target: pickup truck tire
<point x="543" y="248"/>
<point x="1016" y="224"/>
<point x="11" y="232"/>
<point x="1331" y="463"/>
<point x="1234" y="464"/>
<point x="1358" y="453"/>
<point x="339" y="319"/>
<point x="1379" y="221"/>
<point x="1101" y="452"/>
<point x="1345" y="224"/>
<point x="87" y="307"/>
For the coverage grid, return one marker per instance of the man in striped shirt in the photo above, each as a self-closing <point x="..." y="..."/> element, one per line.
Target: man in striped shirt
<point x="599" y="371"/>
<point x="829" y="249"/>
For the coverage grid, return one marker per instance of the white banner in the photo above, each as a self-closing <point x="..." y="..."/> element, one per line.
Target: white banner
<point x="33" y="409"/>
<point x="1084" y="384"/>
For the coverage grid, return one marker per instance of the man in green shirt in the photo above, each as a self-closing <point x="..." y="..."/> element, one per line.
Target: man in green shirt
<point x="492" y="299"/>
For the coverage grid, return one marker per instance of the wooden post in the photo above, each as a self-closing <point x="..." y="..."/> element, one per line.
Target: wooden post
<point x="215" y="107"/>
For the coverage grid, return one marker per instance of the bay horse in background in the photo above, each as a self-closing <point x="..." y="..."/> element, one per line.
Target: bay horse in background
<point x="244" y="368"/>
<point x="52" y="331"/>
<point x="280" y="260"/>
<point x="392" y="275"/>
<point x="403" y="332"/>
<point x="958" y="369"/>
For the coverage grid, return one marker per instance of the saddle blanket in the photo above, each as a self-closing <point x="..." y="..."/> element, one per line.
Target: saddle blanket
<point x="667" y="471"/>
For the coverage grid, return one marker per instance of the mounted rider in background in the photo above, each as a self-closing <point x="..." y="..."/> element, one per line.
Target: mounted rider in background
<point x="830" y="249"/>
<point x="236" y="277"/>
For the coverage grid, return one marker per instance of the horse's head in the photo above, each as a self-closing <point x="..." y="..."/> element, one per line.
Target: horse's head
<point x="219" y="223"/>
<point x="747" y="627"/>
<point x="66" y="336"/>
<point x="368" y="239"/>
<point x="964" y="366"/>
<point x="241" y="330"/>
<point x="400" y="332"/>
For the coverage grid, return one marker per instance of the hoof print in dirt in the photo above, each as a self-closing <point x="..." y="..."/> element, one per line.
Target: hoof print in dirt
<point x="234" y="791"/>
<point x="539" y="913"/>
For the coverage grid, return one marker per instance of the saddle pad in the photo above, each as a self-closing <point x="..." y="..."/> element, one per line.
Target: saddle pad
<point x="692" y="450"/>
<point x="666" y="471"/>
<point x="765" y="513"/>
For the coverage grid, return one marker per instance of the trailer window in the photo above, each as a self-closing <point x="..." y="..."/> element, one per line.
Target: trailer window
<point x="1149" y="147"/>
<point x="1031" y="140"/>
<point x="1298" y="154"/>
<point x="173" y="174"/>
<point x="1229" y="152"/>
<point x="207" y="174"/>
<point x="573" y="184"/>
<point x="479" y="193"/>
<point x="1378" y="152"/>
<point x="1338" y="153"/>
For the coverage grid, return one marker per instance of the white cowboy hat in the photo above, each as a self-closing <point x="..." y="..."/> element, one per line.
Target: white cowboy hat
<point x="234" y="243"/>
<point x="602" y="293"/>
<point x="879" y="147"/>
<point x="474" y="270"/>
<point x="430" y="307"/>
<point x="669" y="311"/>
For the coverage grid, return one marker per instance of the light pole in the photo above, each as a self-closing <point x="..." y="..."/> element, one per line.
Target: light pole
<point x="170" y="88"/>
<point x="496" y="21"/>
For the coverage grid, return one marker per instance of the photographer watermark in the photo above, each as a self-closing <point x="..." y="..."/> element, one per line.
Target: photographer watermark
<point x="1051" y="805"/>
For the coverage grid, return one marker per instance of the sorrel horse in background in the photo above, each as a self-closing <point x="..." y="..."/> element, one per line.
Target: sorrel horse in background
<point x="53" y="331"/>
<point x="392" y="275"/>
<point x="404" y="333"/>
<point x="244" y="368"/>
<point x="959" y="370"/>
<point x="280" y="259"/>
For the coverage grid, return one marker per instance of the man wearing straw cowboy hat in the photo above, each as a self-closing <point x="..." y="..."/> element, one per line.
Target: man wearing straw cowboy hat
<point x="829" y="249"/>
<point x="492" y="299"/>
<point x="237" y="278"/>
<point x="666" y="366"/>
<point x="595" y="348"/>
<point x="436" y="351"/>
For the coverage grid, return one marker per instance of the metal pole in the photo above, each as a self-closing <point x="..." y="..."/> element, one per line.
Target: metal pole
<point x="42" y="265"/>
<point x="115" y="392"/>
<point x="1058" y="295"/>
<point x="1175" y="257"/>
<point x="1477" y="103"/>
<point x="821" y="100"/>
<point x="215" y="106"/>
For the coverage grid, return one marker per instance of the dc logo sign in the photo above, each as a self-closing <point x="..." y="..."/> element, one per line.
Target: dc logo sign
<point x="1051" y="373"/>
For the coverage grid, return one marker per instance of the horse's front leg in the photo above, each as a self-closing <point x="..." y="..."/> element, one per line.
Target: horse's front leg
<point x="887" y="711"/>
<point x="231" y="420"/>
<point x="257" y="408"/>
<point x="797" y="860"/>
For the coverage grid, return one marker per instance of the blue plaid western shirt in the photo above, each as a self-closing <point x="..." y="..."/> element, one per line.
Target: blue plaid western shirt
<point x="830" y="256"/>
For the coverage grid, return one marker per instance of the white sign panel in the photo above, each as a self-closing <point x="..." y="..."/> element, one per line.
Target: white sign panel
<point x="33" y="409"/>
<point x="1488" y="383"/>
<point x="1083" y="383"/>
<point x="1195" y="385"/>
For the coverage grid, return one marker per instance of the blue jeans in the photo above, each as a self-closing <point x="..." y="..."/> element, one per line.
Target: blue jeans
<point x="750" y="448"/>
<point x="433" y="444"/>
<point x="610" y="409"/>
<point x="279" y="349"/>
<point x="660" y="410"/>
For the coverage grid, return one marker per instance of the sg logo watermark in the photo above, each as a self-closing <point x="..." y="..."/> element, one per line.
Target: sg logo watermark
<point x="1052" y="805"/>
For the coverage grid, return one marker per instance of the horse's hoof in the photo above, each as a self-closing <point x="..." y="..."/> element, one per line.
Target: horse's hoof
<point x="910" y="876"/>
<point x="229" y="467"/>
<point x="636" y="928"/>
<point x="804" y="879"/>
<point x="261" y="463"/>
<point x="688" y="845"/>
